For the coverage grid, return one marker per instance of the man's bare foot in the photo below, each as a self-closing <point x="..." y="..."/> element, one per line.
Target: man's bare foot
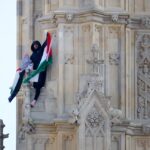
<point x="33" y="103"/>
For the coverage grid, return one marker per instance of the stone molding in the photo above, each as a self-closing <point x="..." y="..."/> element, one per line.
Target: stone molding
<point x="82" y="16"/>
<point x="142" y="22"/>
<point x="132" y="128"/>
<point x="93" y="15"/>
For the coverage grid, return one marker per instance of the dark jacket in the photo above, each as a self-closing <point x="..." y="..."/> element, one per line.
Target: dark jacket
<point x="36" y="58"/>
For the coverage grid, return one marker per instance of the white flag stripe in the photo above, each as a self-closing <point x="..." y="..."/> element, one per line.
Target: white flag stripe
<point x="15" y="80"/>
<point x="35" y="78"/>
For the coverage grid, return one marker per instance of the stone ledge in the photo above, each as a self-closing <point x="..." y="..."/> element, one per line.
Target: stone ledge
<point x="82" y="16"/>
<point x="134" y="128"/>
<point x="96" y="15"/>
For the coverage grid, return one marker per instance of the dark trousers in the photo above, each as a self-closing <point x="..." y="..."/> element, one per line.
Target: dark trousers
<point x="37" y="90"/>
<point x="38" y="85"/>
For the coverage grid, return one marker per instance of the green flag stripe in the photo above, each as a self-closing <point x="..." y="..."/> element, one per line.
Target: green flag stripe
<point x="41" y="68"/>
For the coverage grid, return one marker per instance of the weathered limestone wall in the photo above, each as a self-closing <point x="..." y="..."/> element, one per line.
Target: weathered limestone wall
<point x="97" y="90"/>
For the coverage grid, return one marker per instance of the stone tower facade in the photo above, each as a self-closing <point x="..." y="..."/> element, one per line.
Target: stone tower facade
<point x="97" y="92"/>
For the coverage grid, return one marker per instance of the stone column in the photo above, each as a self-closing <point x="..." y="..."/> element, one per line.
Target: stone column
<point x="19" y="31"/>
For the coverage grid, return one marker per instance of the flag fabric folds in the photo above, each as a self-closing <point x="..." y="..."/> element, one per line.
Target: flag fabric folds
<point x="20" y="72"/>
<point x="16" y="85"/>
<point x="45" y="60"/>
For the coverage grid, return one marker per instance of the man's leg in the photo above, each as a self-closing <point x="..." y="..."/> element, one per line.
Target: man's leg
<point x="37" y="93"/>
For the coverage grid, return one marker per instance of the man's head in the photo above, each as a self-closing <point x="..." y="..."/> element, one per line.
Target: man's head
<point x="35" y="45"/>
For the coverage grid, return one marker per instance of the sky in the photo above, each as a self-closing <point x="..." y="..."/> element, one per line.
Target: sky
<point x="8" y="67"/>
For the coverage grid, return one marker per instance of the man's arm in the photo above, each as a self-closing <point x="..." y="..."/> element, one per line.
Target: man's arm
<point x="45" y="43"/>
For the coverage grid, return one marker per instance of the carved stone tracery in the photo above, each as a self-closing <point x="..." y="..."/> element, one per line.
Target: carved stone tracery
<point x="143" y="75"/>
<point x="94" y="124"/>
<point x="94" y="59"/>
<point x="94" y="118"/>
<point x="94" y="83"/>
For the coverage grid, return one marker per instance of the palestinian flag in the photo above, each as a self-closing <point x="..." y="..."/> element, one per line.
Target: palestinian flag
<point x="20" y="72"/>
<point x="45" y="61"/>
<point x="16" y="84"/>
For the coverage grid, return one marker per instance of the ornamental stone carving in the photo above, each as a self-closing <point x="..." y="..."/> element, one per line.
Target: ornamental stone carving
<point x="92" y="83"/>
<point x="115" y="138"/>
<point x="115" y="18"/>
<point x="37" y="16"/>
<point x="75" y="116"/>
<point x="114" y="58"/>
<point x="53" y="18"/>
<point x="82" y="98"/>
<point x="143" y="76"/>
<point x="145" y="21"/>
<point x="69" y="58"/>
<point x="95" y="123"/>
<point x="94" y="118"/>
<point x="94" y="59"/>
<point x="116" y="115"/>
<point x="69" y="17"/>
<point x="52" y="139"/>
<point x="141" y="107"/>
<point x="119" y="19"/>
